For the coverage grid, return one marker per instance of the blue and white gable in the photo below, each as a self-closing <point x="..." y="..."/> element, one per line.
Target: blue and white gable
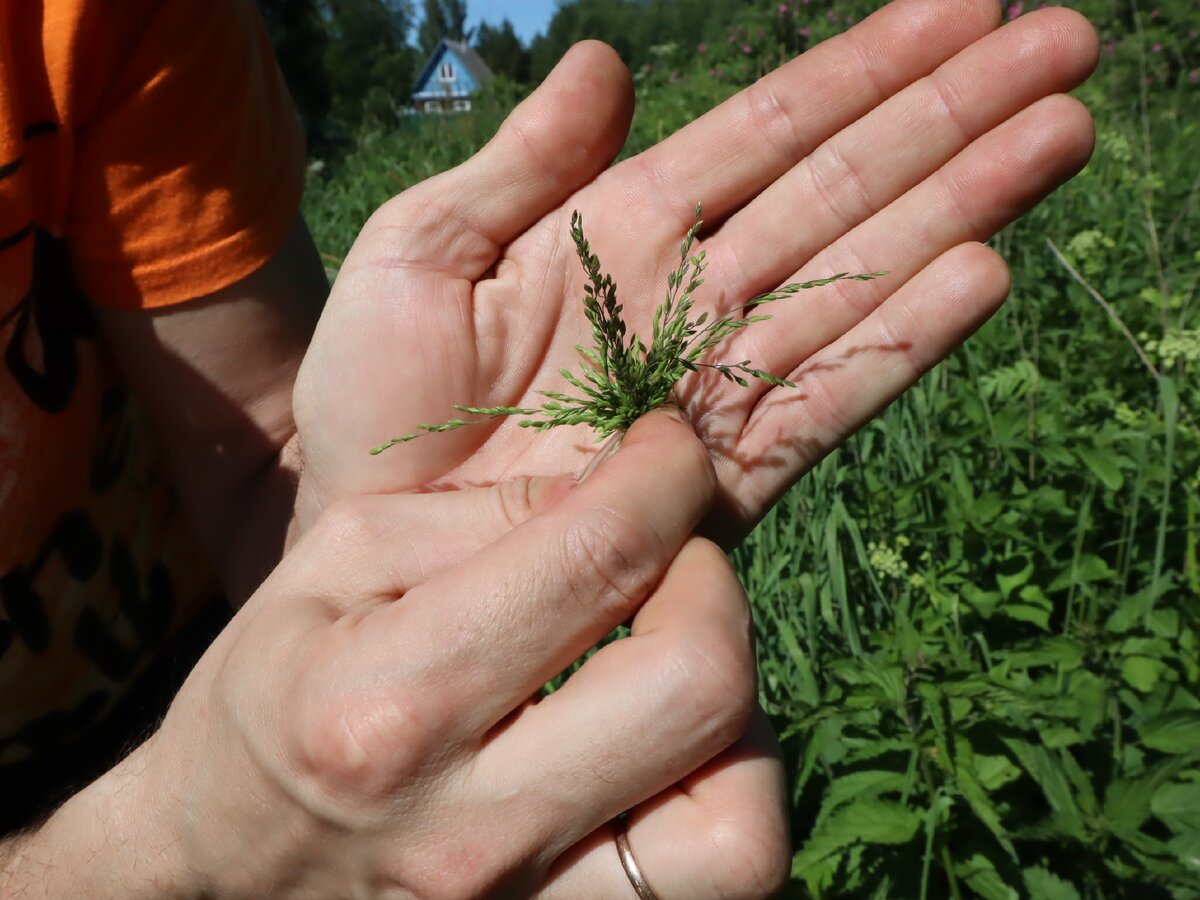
<point x="452" y="75"/>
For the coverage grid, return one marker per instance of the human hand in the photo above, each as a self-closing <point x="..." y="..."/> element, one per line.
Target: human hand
<point x="894" y="146"/>
<point x="363" y="726"/>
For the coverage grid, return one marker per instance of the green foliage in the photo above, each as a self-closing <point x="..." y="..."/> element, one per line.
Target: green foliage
<point x="984" y="607"/>
<point x="502" y="50"/>
<point x="299" y="39"/>
<point x="441" y="19"/>
<point x="347" y="62"/>
<point x="631" y="27"/>
<point x="978" y="620"/>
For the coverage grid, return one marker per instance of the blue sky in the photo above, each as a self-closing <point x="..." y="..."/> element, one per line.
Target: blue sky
<point x="528" y="16"/>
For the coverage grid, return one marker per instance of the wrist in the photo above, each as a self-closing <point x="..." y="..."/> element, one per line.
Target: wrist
<point x="107" y="841"/>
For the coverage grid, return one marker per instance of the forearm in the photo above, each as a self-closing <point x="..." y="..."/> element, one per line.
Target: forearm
<point x="105" y="842"/>
<point x="260" y="524"/>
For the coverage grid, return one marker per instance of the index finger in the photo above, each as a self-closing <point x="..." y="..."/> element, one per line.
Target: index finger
<point x="521" y="610"/>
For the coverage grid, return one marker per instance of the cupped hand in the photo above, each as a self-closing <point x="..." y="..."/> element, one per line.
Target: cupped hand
<point x="896" y="146"/>
<point x="365" y="727"/>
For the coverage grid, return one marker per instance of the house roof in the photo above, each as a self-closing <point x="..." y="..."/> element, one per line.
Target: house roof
<point x="466" y="54"/>
<point x="473" y="61"/>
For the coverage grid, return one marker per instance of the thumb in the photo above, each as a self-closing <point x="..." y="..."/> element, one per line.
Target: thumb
<point x="556" y="141"/>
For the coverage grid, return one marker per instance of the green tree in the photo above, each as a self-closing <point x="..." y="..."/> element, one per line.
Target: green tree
<point x="643" y="32"/>
<point x="503" y="51"/>
<point x="298" y="35"/>
<point x="442" y="19"/>
<point x="368" y="62"/>
<point x="616" y="22"/>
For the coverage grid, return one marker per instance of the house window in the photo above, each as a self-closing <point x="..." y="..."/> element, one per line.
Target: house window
<point x="432" y="106"/>
<point x="446" y="72"/>
<point x="462" y="105"/>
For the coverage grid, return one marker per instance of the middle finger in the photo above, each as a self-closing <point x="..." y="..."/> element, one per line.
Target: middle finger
<point x="868" y="165"/>
<point x="730" y="154"/>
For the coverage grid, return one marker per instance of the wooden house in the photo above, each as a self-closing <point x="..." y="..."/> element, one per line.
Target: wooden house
<point x="453" y="74"/>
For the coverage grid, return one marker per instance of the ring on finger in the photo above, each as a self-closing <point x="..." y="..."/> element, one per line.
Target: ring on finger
<point x="629" y="863"/>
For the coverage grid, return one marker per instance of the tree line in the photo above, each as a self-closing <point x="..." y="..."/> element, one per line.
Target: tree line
<point x="351" y="62"/>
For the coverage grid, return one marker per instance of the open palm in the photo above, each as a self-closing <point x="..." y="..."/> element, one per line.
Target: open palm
<point x="897" y="146"/>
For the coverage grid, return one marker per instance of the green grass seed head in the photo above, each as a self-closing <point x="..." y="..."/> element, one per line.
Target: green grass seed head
<point x="620" y="378"/>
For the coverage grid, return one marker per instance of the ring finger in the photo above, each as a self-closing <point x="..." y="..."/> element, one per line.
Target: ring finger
<point x="720" y="832"/>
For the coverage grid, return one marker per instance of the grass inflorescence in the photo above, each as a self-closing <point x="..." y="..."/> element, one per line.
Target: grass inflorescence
<point x="620" y="378"/>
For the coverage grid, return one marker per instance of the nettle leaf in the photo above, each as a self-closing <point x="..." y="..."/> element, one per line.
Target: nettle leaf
<point x="860" y="786"/>
<point x="1057" y="736"/>
<point x="1178" y="805"/>
<point x="982" y="877"/>
<point x="1127" y="800"/>
<point x="1045" y="768"/>
<point x="1025" y="612"/>
<point x="936" y="708"/>
<point x="994" y="772"/>
<point x="877" y="748"/>
<point x="1085" y="794"/>
<point x="1129" y="612"/>
<point x="1012" y="574"/>
<point x="981" y="804"/>
<point x="1174" y="732"/>
<point x="1126" y="804"/>
<point x="823" y="746"/>
<point x="1056" y="454"/>
<point x="1052" y="651"/>
<point x="1087" y="569"/>
<point x="1154" y="856"/>
<point x="1164" y="623"/>
<point x="1186" y="847"/>
<point x="1090" y="693"/>
<point x="1105" y="465"/>
<point x="984" y="602"/>
<point x="1045" y="885"/>
<point x="819" y="875"/>
<point x="1142" y="672"/>
<point x="866" y="821"/>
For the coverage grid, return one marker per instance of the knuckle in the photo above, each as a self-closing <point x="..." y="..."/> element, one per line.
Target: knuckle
<point x="525" y="135"/>
<point x="827" y="417"/>
<point x="515" y="502"/>
<point x="349" y="522"/>
<point x="612" y="555"/>
<point x="362" y="747"/>
<point x="770" y="117"/>
<point x="947" y="94"/>
<point x="720" y="683"/>
<point x="840" y="185"/>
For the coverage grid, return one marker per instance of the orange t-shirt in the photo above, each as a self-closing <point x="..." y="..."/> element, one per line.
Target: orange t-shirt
<point x="149" y="154"/>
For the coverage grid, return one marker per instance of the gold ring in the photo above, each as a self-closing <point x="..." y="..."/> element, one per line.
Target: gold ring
<point x="629" y="863"/>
